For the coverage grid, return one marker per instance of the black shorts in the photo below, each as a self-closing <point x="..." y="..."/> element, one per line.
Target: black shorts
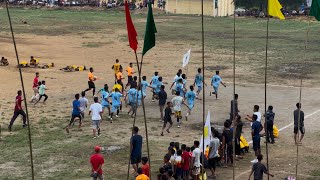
<point x="213" y="162"/>
<point x="130" y="79"/>
<point x="165" y="121"/>
<point x="302" y="130"/>
<point x="135" y="159"/>
<point x="73" y="117"/>
<point x="91" y="85"/>
<point x="256" y="145"/>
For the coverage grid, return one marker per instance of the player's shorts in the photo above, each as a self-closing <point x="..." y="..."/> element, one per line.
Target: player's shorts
<point x="199" y="88"/>
<point x="165" y="121"/>
<point x="302" y="130"/>
<point x="105" y="106"/>
<point x="130" y="79"/>
<point x="178" y="113"/>
<point x="91" y="84"/>
<point x="190" y="106"/>
<point x="115" y="108"/>
<point x="256" y="144"/>
<point x="96" y="124"/>
<point x="135" y="159"/>
<point x="133" y="105"/>
<point x="216" y="89"/>
<point x="185" y="174"/>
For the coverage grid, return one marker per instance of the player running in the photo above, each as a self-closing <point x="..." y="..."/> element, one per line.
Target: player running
<point x="198" y="80"/>
<point x="190" y="97"/>
<point x="215" y="82"/>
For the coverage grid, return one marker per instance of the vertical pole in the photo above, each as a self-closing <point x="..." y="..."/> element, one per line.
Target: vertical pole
<point x="23" y="91"/>
<point x="265" y="91"/>
<point x="203" y="84"/>
<point x="234" y="92"/>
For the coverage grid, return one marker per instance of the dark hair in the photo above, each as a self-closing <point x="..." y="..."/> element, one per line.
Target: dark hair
<point x="180" y="80"/>
<point x="156" y="73"/>
<point x="171" y="144"/>
<point x="188" y="149"/>
<point x="236" y="96"/>
<point x="270" y="108"/>
<point x="160" y="78"/>
<point x="135" y="78"/>
<point x="106" y="87"/>
<point x="95" y="99"/>
<point x="217" y="72"/>
<point x="135" y="129"/>
<point x="226" y="124"/>
<point x="177" y="145"/>
<point x="167" y="157"/>
<point x="179" y="153"/>
<point x="259" y="157"/>
<point x="43" y="82"/>
<point x="77" y="96"/>
<point x="19" y="92"/>
<point x="83" y="93"/>
<point x="144" y="159"/>
<point x="91" y="68"/>
<point x="191" y="88"/>
<point x="144" y="78"/>
<point x="164" y="177"/>
<point x="256" y="107"/>
<point x="199" y="70"/>
<point x="180" y="71"/>
<point x="168" y="103"/>
<point x="183" y="76"/>
<point x="196" y="143"/>
<point x="117" y="60"/>
<point x="116" y="90"/>
<point x="178" y="74"/>
<point x="170" y="172"/>
<point x="139" y="171"/>
<point x="183" y="147"/>
<point x="162" y="86"/>
<point x="298" y="105"/>
<point x="162" y="170"/>
<point x="119" y="81"/>
<point x="254" y="117"/>
<point x="172" y="151"/>
<point x="130" y="63"/>
<point x="37" y="73"/>
<point x="192" y="148"/>
<point x="178" y="93"/>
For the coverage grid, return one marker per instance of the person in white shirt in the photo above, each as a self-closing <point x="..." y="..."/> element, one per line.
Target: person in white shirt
<point x="96" y="110"/>
<point x="196" y="165"/>
<point x="213" y="152"/>
<point x="177" y="102"/>
<point x="83" y="104"/>
<point x="256" y="112"/>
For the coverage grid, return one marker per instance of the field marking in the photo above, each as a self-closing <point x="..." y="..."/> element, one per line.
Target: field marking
<point x="281" y="129"/>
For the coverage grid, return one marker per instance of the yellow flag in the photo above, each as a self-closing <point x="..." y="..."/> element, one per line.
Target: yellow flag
<point x="274" y="9"/>
<point x="206" y="132"/>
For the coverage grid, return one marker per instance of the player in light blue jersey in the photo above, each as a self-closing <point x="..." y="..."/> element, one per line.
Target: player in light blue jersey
<point x="190" y="97"/>
<point x="215" y="82"/>
<point x="154" y="83"/>
<point x="104" y="99"/>
<point x="198" y="80"/>
<point x="179" y="87"/>
<point x="132" y="95"/>
<point x="145" y="84"/>
<point x="116" y="102"/>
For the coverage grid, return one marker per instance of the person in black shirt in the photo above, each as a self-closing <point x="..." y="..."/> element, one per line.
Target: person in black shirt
<point x="162" y="95"/>
<point x="258" y="169"/>
<point x="167" y="117"/>
<point x="298" y="115"/>
<point x="227" y="142"/>
<point x="269" y="124"/>
<point x="136" y="148"/>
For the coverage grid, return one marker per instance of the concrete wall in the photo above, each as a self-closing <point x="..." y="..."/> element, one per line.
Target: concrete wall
<point x="225" y="7"/>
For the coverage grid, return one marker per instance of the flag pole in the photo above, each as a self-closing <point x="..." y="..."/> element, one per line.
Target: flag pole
<point x="23" y="91"/>
<point x="203" y="83"/>
<point x="300" y="92"/>
<point x="234" y="92"/>
<point x="265" y="89"/>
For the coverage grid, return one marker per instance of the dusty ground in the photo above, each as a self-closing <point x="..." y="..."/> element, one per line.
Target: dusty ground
<point x="57" y="153"/>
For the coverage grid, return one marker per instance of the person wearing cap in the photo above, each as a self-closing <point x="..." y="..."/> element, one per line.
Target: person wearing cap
<point x="97" y="161"/>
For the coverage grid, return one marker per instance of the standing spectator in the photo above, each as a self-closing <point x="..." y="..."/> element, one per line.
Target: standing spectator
<point x="76" y="112"/>
<point x="269" y="124"/>
<point x="83" y="104"/>
<point x="255" y="132"/>
<point x="136" y="148"/>
<point x="186" y="158"/>
<point x="234" y="105"/>
<point x="162" y="100"/>
<point x="239" y="125"/>
<point x="141" y="175"/>
<point x="255" y="112"/>
<point x="18" y="111"/>
<point x="298" y="115"/>
<point x="227" y="146"/>
<point x="96" y="110"/>
<point x="213" y="153"/>
<point x="258" y="169"/>
<point x="35" y="87"/>
<point x="97" y="161"/>
<point x="196" y="153"/>
<point x="145" y="166"/>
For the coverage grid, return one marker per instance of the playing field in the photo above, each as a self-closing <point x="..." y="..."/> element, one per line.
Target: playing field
<point x="97" y="38"/>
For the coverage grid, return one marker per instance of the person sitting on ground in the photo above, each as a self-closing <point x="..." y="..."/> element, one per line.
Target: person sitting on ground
<point x="33" y="61"/>
<point x="258" y="169"/>
<point x="141" y="175"/>
<point x="4" y="62"/>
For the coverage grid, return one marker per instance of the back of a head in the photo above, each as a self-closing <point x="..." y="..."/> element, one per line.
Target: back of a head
<point x="191" y="88"/>
<point x="226" y="124"/>
<point x="183" y="76"/>
<point x="162" y="86"/>
<point x="270" y="108"/>
<point x="77" y="96"/>
<point x="183" y="147"/>
<point x="135" y="78"/>
<point x="91" y="69"/>
<point x="172" y="151"/>
<point x="236" y="96"/>
<point x="177" y="145"/>
<point x="256" y="107"/>
<point x="180" y="71"/>
<point x="298" y="105"/>
<point x="167" y="157"/>
<point x="188" y="149"/>
<point x="217" y="72"/>
<point x="171" y="144"/>
<point x="156" y="73"/>
<point x="19" y="92"/>
<point x="196" y="143"/>
<point x="83" y="94"/>
<point x="179" y="152"/>
<point x="254" y="117"/>
<point x="95" y="99"/>
<point x="259" y="157"/>
<point x="139" y="171"/>
<point x="180" y="80"/>
<point x="199" y="70"/>
<point x="178" y="93"/>
<point x="43" y="82"/>
<point x="160" y="79"/>
<point x="144" y="160"/>
<point x="117" y="60"/>
<point x="162" y="170"/>
<point x="119" y="81"/>
<point x="135" y="129"/>
<point x="144" y="78"/>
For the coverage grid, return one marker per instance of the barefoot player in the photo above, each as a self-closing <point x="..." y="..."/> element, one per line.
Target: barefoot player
<point x="215" y="82"/>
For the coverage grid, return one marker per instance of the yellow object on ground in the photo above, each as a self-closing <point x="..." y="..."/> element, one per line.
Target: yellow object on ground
<point x="275" y="131"/>
<point x="243" y="141"/>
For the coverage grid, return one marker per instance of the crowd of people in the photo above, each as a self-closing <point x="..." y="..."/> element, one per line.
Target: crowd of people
<point x="180" y="162"/>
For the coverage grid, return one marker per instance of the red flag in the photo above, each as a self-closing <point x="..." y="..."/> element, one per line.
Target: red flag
<point x="132" y="33"/>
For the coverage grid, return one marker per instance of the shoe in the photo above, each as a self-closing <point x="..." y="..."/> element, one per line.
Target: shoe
<point x="161" y="134"/>
<point x="272" y="142"/>
<point x="67" y="129"/>
<point x="210" y="93"/>
<point x="117" y="116"/>
<point x="168" y="131"/>
<point x="187" y="114"/>
<point x="254" y="161"/>
<point x="25" y="125"/>
<point x="94" y="137"/>
<point x="109" y="117"/>
<point x="178" y="126"/>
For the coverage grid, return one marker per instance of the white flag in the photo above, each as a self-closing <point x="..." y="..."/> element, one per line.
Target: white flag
<point x="207" y="133"/>
<point x="186" y="58"/>
<point x="309" y="2"/>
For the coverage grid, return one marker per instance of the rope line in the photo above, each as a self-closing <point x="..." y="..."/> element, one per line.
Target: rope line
<point x="23" y="90"/>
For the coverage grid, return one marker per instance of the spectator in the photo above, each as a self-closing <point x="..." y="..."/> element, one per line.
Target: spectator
<point x="97" y="161"/>
<point x="136" y="147"/>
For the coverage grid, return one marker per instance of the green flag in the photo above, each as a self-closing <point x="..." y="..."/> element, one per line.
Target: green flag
<point x="149" y="36"/>
<point x="315" y="9"/>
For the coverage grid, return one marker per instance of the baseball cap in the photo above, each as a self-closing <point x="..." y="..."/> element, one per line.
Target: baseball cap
<point x="97" y="148"/>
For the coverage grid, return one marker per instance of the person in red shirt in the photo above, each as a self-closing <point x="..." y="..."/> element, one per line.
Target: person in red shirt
<point x="186" y="157"/>
<point x="35" y="87"/>
<point x="18" y="111"/>
<point x="145" y="166"/>
<point x="97" y="161"/>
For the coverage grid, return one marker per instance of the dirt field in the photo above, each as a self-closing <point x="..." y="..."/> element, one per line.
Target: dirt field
<point x="58" y="155"/>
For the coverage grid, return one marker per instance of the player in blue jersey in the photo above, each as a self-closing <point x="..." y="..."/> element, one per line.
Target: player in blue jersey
<point x="190" y="97"/>
<point x="104" y="99"/>
<point x="179" y="87"/>
<point x="145" y="84"/>
<point x="215" y="82"/>
<point x="132" y="95"/>
<point x="198" y="81"/>
<point x="154" y="83"/>
<point x="116" y="102"/>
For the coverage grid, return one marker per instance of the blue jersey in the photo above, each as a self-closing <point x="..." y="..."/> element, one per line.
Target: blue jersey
<point x="104" y="96"/>
<point x="140" y="97"/>
<point x="132" y="94"/>
<point x="216" y="80"/>
<point x="144" y="84"/>
<point x="76" y="106"/>
<point x="158" y="87"/>
<point x="179" y="87"/>
<point x="116" y="101"/>
<point x="155" y="81"/>
<point x="198" y="79"/>
<point x="190" y="97"/>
